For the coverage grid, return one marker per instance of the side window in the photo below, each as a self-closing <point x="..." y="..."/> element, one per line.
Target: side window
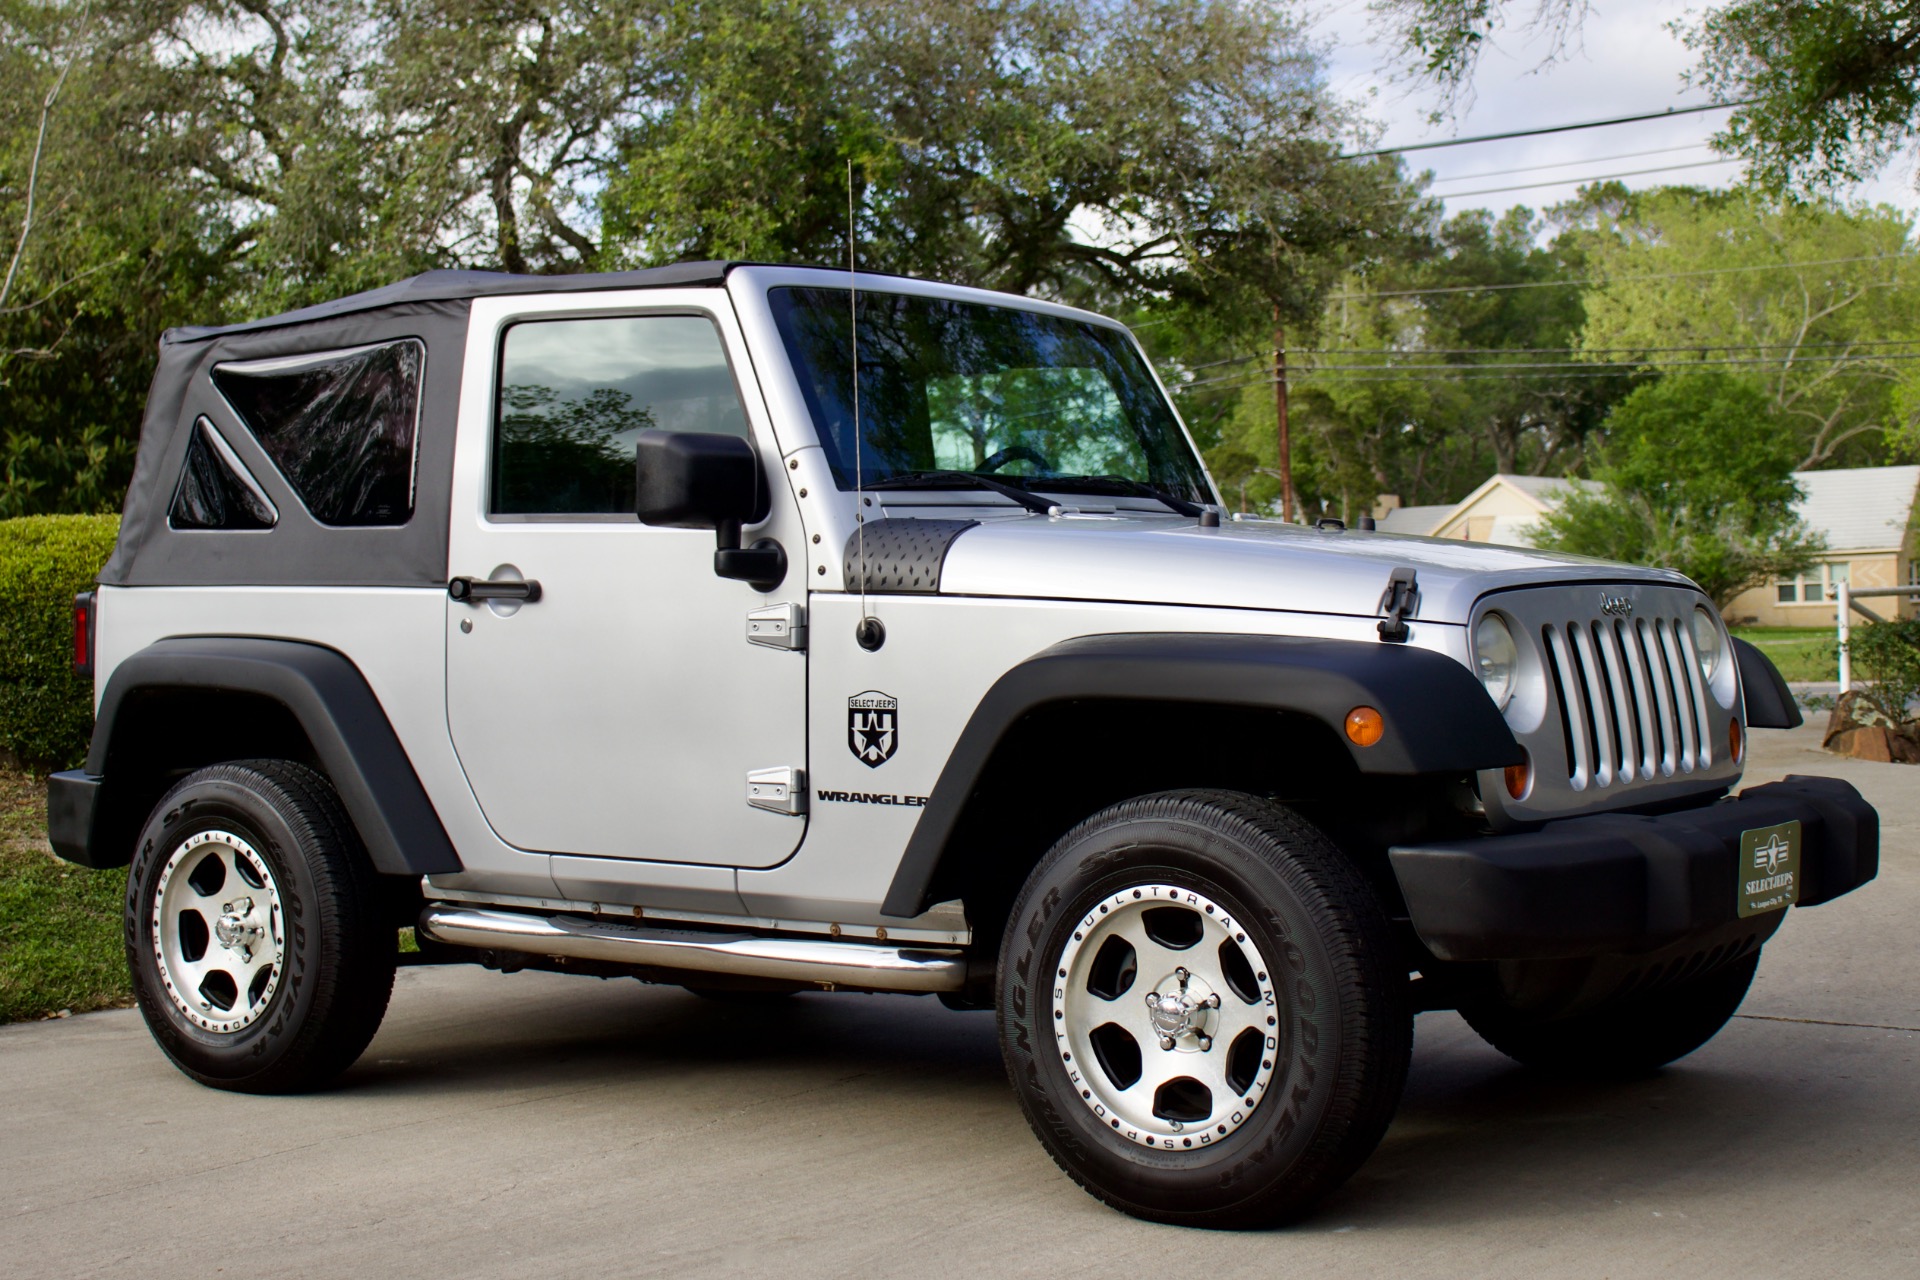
<point x="575" y="393"/>
<point x="340" y="425"/>
<point x="216" y="491"/>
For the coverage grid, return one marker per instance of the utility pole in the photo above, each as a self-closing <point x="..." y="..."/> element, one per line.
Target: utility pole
<point x="1280" y="415"/>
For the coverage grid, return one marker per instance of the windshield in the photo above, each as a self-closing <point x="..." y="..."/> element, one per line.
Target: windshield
<point x="949" y="386"/>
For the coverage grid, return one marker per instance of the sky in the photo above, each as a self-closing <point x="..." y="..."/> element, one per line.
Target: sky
<point x="1624" y="62"/>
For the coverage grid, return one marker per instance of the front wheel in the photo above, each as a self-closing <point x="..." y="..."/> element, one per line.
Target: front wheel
<point x="259" y="954"/>
<point x="1201" y="1012"/>
<point x="1626" y="1038"/>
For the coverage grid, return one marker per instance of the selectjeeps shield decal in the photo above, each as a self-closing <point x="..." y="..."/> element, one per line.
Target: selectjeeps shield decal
<point x="873" y="727"/>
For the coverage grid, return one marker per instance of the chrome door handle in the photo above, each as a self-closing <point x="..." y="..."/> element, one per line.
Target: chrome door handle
<point x="474" y="590"/>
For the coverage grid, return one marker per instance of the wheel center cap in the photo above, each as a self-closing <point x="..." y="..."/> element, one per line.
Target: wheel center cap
<point x="1177" y="1010"/>
<point x="1172" y="1015"/>
<point x="235" y="929"/>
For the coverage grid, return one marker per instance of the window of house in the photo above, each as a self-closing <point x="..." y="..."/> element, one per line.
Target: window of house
<point x="1815" y="584"/>
<point x="340" y="426"/>
<point x="216" y="491"/>
<point x="574" y="395"/>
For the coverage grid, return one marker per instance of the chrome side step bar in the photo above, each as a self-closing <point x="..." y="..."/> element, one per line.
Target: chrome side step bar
<point x="865" y="966"/>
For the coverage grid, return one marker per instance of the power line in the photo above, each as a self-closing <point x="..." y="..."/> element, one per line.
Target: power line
<point x="1413" y="352"/>
<point x="1451" y="372"/>
<point x="1635" y="277"/>
<point x="1598" y="177"/>
<point x="1554" y="128"/>
<point x="1567" y="164"/>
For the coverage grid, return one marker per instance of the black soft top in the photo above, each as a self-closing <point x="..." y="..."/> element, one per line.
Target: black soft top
<point x="431" y="308"/>
<point x="445" y="286"/>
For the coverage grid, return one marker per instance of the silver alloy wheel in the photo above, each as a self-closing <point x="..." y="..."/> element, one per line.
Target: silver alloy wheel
<point x="1165" y="1017"/>
<point x="218" y="933"/>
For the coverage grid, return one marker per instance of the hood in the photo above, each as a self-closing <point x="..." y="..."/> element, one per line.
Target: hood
<point x="1250" y="564"/>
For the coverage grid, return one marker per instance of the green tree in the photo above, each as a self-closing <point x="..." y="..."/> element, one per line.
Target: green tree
<point x="1697" y="476"/>
<point x="1832" y="86"/>
<point x="1811" y="301"/>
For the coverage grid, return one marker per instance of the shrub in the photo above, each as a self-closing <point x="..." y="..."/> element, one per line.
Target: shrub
<point x="46" y="712"/>
<point x="1888" y="654"/>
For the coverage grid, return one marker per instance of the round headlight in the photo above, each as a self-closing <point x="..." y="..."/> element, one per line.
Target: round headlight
<point x="1706" y="641"/>
<point x="1495" y="657"/>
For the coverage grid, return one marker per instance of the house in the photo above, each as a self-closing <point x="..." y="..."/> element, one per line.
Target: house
<point x="1502" y="510"/>
<point x="1866" y="516"/>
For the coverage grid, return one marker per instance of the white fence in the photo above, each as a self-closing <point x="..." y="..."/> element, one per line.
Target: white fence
<point x="1847" y="605"/>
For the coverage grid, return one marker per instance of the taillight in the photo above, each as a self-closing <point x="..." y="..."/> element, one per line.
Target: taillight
<point x="83" y="634"/>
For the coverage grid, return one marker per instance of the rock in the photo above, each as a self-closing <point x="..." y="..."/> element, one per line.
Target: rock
<point x="1859" y="729"/>
<point x="1876" y="742"/>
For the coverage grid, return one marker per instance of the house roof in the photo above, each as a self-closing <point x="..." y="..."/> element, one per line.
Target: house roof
<point x="1545" y="489"/>
<point x="1858" y="508"/>
<point x="1419" y="520"/>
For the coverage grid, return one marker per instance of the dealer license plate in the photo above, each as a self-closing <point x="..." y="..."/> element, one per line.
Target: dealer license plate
<point x="1769" y="868"/>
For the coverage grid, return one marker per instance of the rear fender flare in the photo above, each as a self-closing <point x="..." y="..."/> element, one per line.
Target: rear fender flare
<point x="335" y="708"/>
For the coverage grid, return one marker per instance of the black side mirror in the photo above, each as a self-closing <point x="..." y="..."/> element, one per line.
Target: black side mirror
<point x="696" y="480"/>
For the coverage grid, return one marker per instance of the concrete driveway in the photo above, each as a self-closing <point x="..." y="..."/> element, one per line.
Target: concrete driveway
<point x="540" y="1125"/>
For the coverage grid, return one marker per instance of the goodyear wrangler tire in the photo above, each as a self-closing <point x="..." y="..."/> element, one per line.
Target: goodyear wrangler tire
<point x="1201" y="1010"/>
<point x="260" y="957"/>
<point x="1623" y="1039"/>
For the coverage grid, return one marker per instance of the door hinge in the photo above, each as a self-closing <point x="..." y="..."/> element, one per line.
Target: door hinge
<point x="778" y="626"/>
<point x="782" y="790"/>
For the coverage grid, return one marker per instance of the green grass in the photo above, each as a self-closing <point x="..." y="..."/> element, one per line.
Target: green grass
<point x="1801" y="653"/>
<point x="59" y="924"/>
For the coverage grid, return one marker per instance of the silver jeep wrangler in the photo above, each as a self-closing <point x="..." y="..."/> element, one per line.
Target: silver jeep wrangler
<point x="765" y="629"/>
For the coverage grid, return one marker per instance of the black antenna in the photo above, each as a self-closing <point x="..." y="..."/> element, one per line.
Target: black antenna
<point x="868" y="633"/>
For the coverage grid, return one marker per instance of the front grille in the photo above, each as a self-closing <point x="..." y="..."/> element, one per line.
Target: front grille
<point x="1632" y="705"/>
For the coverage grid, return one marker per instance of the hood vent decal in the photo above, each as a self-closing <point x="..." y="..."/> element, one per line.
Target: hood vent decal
<point x="904" y="556"/>
<point x="1399" y="602"/>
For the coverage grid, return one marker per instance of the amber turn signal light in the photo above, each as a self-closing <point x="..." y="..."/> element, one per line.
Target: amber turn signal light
<point x="1736" y="741"/>
<point x="1365" y="726"/>
<point x="1520" y="778"/>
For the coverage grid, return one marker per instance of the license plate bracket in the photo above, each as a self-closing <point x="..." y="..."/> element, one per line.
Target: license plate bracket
<point x="1769" y="872"/>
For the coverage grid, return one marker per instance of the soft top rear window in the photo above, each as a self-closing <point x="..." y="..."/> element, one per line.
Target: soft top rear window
<point x="340" y="426"/>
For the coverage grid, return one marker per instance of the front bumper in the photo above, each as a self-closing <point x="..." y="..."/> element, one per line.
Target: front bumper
<point x="1619" y="884"/>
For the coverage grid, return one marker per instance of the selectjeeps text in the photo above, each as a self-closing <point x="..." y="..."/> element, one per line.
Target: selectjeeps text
<point x="634" y="624"/>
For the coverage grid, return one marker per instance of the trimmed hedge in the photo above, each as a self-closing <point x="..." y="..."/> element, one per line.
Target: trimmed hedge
<point x="46" y="712"/>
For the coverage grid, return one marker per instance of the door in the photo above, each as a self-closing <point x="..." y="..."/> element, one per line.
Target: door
<point x="616" y="709"/>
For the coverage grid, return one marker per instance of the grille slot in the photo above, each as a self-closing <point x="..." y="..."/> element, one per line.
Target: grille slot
<point x="1632" y="704"/>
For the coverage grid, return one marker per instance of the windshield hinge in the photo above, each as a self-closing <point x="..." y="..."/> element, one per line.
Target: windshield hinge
<point x="1401" y="598"/>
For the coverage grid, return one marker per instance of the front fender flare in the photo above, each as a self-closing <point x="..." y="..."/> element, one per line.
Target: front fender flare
<point x="1438" y="718"/>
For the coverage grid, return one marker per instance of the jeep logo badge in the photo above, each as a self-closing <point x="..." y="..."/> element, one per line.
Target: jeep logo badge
<point x="1616" y="606"/>
<point x="873" y="727"/>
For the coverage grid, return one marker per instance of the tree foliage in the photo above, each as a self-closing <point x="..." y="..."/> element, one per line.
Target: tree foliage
<point x="1810" y="301"/>
<point x="1697" y="476"/>
<point x="212" y="159"/>
<point x="1834" y="85"/>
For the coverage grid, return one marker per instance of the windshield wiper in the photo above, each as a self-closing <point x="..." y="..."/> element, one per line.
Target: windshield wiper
<point x="1136" y="488"/>
<point x="966" y="479"/>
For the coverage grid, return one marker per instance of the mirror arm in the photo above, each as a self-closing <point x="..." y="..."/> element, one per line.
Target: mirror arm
<point x="763" y="566"/>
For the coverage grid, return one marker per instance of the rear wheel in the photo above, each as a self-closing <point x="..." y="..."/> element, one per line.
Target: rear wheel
<point x="1200" y="1010"/>
<point x="1625" y="1038"/>
<point x="259" y="953"/>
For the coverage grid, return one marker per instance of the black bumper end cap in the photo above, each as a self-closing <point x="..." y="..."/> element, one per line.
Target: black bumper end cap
<point x="73" y="798"/>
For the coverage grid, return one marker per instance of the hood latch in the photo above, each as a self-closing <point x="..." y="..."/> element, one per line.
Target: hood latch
<point x="1401" y="598"/>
